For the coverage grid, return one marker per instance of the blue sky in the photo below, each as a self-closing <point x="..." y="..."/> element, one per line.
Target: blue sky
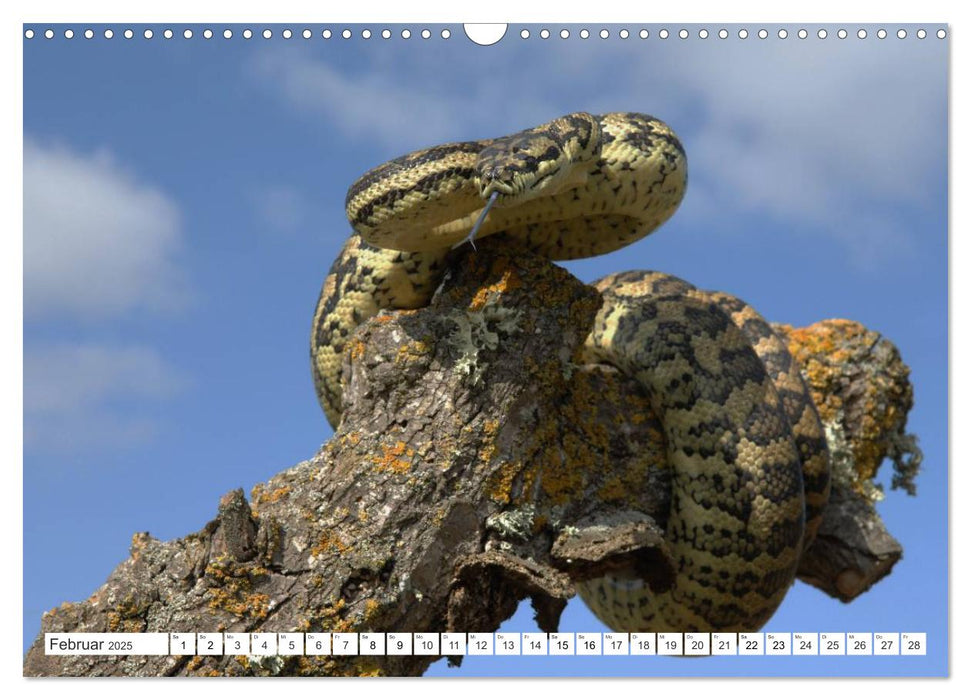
<point x="183" y="200"/>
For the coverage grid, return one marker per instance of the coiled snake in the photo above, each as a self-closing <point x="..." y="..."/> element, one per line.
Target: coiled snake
<point x="749" y="459"/>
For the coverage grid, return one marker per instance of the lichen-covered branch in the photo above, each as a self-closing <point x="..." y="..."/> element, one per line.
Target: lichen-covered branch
<point x="862" y="390"/>
<point x="478" y="464"/>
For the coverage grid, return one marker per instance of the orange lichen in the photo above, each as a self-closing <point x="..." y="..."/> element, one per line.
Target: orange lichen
<point x="233" y="589"/>
<point x="330" y="618"/>
<point x="564" y="482"/>
<point x="371" y="608"/>
<point x="613" y="489"/>
<point x="259" y="495"/>
<point x="500" y="481"/>
<point x="391" y="458"/>
<point x="833" y="354"/>
<point x="487" y="452"/>
<point x="358" y="348"/>
<point x="128" y="615"/>
<point x="139" y="541"/>
<point x="508" y="281"/>
<point x="489" y="449"/>
<point x="414" y="350"/>
<point x="329" y="541"/>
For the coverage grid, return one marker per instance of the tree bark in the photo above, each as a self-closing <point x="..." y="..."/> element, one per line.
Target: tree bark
<point x="479" y="462"/>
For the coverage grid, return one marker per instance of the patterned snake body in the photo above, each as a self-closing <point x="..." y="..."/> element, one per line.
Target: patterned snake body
<point x="749" y="460"/>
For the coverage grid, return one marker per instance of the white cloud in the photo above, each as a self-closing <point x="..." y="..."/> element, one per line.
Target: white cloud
<point x="818" y="135"/>
<point x="372" y="105"/>
<point x="84" y="396"/>
<point x="394" y="103"/>
<point x="842" y="138"/>
<point x="97" y="242"/>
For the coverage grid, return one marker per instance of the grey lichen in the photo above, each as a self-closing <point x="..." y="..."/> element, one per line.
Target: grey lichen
<point x="843" y="463"/>
<point x="479" y="330"/>
<point x="907" y="458"/>
<point x="514" y="525"/>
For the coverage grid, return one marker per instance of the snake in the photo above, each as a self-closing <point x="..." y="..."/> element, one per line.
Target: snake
<point x="750" y="467"/>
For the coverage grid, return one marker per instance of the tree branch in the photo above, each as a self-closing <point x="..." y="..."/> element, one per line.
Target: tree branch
<point x="478" y="463"/>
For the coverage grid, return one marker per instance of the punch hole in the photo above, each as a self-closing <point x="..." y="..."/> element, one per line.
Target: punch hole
<point x="861" y="34"/>
<point x="941" y="34"/>
<point x="228" y="34"/>
<point x="385" y="33"/>
<point x="247" y="33"/>
<point x="405" y="33"/>
<point x="109" y="34"/>
<point x="425" y="34"/>
<point x="446" y="34"/>
<point x="287" y="34"/>
<point x="901" y="33"/>
<point x="624" y="34"/>
<point x="544" y="34"/>
<point x="921" y="34"/>
<point x="643" y="34"/>
<point x="564" y="33"/>
<point x="663" y="33"/>
<point x="821" y="34"/>
<point x="168" y="34"/>
<point x="68" y="33"/>
<point x="584" y="33"/>
<point x="129" y="34"/>
<point x="743" y="33"/>
<point x="802" y="34"/>
<point x="722" y="33"/>
<point x="346" y="34"/>
<point x="783" y="33"/>
<point x="187" y="34"/>
<point x="702" y="33"/>
<point x="89" y="34"/>
<point x="841" y="33"/>
<point x="366" y="34"/>
<point x="881" y="34"/>
<point x="524" y="34"/>
<point x="148" y="34"/>
<point x="307" y="34"/>
<point x="207" y="34"/>
<point x="763" y="34"/>
<point x="604" y="34"/>
<point x="29" y="34"/>
<point x="327" y="34"/>
<point x="485" y="34"/>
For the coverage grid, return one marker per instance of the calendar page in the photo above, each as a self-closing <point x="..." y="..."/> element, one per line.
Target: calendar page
<point x="525" y="349"/>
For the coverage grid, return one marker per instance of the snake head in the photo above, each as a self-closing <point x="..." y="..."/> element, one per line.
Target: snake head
<point x="509" y="167"/>
<point x="538" y="162"/>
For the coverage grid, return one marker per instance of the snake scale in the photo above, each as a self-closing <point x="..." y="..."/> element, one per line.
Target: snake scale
<point x="747" y="450"/>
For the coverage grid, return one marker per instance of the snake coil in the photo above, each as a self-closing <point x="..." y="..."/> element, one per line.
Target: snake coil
<point x="747" y="450"/>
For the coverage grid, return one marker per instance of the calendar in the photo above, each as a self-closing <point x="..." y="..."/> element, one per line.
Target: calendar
<point x="623" y="319"/>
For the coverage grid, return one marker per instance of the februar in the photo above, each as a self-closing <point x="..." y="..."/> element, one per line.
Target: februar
<point x="72" y="645"/>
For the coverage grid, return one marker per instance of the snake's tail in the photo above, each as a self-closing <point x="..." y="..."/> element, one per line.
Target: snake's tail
<point x="470" y="239"/>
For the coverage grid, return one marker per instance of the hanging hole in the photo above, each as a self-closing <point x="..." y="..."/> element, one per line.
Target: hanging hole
<point x="485" y="34"/>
